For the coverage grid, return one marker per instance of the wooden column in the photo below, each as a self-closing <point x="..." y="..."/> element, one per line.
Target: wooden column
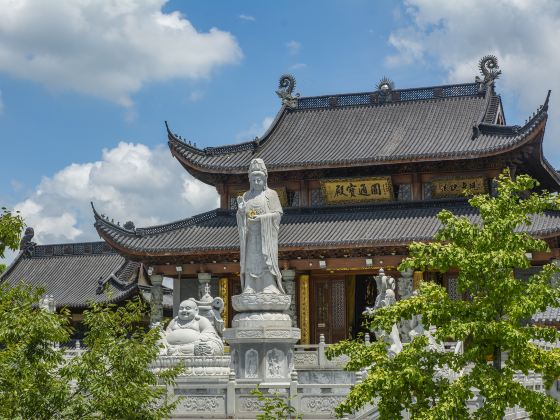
<point x="303" y="283"/>
<point x="416" y="187"/>
<point x="303" y="194"/>
<point x="223" y="190"/>
<point x="176" y="295"/>
<point x="417" y="279"/>
<point x="223" y="286"/>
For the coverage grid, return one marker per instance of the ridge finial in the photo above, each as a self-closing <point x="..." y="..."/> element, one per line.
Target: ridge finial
<point x="489" y="68"/>
<point x="286" y="86"/>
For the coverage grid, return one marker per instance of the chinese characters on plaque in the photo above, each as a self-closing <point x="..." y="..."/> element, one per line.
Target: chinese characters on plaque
<point x="352" y="190"/>
<point x="455" y="187"/>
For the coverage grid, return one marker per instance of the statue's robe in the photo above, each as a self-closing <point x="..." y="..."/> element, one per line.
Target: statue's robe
<point x="269" y="226"/>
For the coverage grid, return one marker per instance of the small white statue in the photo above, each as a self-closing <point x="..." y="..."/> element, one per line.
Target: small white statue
<point x="384" y="284"/>
<point x="191" y="334"/>
<point x="258" y="219"/>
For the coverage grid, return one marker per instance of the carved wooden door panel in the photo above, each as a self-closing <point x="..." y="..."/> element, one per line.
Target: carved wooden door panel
<point x="328" y="307"/>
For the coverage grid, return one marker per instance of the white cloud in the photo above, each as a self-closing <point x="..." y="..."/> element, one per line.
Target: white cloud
<point x="196" y="95"/>
<point x="130" y="182"/>
<point x="294" y="47"/>
<point x="16" y="185"/>
<point x="1" y="104"/>
<point x="108" y="49"/>
<point x="256" y="130"/>
<point x="522" y="34"/>
<point x="248" y="18"/>
<point x="298" y="66"/>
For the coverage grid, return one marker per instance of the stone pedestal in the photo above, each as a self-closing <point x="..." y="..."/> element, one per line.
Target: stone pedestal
<point x="262" y="338"/>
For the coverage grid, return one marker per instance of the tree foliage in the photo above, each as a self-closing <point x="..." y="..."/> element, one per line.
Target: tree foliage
<point x="275" y="407"/>
<point x="11" y="225"/>
<point x="491" y="320"/>
<point x="110" y="379"/>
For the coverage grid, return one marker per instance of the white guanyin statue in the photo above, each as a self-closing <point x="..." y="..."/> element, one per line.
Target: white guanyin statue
<point x="191" y="334"/>
<point x="258" y="219"/>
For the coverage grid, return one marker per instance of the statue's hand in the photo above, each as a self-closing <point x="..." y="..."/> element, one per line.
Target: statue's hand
<point x="253" y="219"/>
<point x="240" y="202"/>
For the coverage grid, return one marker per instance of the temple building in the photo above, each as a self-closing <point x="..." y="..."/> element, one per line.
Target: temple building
<point x="76" y="275"/>
<point x="360" y="176"/>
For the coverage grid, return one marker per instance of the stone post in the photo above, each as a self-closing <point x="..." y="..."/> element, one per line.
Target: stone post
<point x="156" y="314"/>
<point x="288" y="279"/>
<point x="322" y="347"/>
<point x="203" y="279"/>
<point x="293" y="395"/>
<point x="230" y="395"/>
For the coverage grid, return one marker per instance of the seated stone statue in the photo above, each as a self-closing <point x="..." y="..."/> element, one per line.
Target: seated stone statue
<point x="191" y="334"/>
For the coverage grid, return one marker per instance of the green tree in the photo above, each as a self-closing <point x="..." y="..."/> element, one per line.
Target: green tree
<point x="491" y="321"/>
<point x="11" y="226"/>
<point x="110" y="379"/>
<point x="275" y="407"/>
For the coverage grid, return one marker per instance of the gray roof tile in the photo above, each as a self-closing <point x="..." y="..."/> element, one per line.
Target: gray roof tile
<point x="417" y="129"/>
<point x="369" y="225"/>
<point x="71" y="275"/>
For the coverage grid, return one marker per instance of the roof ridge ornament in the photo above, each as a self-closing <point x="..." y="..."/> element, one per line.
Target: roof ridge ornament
<point x="286" y="86"/>
<point x="26" y="245"/>
<point x="489" y="68"/>
<point x="385" y="86"/>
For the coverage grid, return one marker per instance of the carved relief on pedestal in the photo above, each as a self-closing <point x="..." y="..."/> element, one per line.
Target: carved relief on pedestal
<point x="321" y="404"/>
<point x="251" y="363"/>
<point x="201" y="404"/>
<point x="274" y="362"/>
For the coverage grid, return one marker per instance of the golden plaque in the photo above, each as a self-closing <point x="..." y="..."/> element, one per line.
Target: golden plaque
<point x="357" y="190"/>
<point x="456" y="187"/>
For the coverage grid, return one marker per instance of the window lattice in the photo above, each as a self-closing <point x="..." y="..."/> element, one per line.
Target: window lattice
<point x="452" y="289"/>
<point x="293" y="198"/>
<point x="403" y="192"/>
<point x="317" y="198"/>
<point x="427" y="190"/>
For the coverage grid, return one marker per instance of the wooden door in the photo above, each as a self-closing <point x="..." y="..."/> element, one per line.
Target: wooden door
<point x="328" y="309"/>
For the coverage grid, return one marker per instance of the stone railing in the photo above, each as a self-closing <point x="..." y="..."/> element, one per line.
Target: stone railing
<point x="312" y="356"/>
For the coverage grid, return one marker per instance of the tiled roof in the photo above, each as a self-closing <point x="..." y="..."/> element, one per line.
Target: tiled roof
<point x="314" y="227"/>
<point x="445" y="122"/>
<point x="550" y="316"/>
<point x="71" y="273"/>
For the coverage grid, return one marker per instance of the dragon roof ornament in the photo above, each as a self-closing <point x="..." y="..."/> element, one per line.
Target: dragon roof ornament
<point x="286" y="86"/>
<point x="489" y="68"/>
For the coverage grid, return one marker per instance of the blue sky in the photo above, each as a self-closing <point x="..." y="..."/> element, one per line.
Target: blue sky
<point x="85" y="89"/>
